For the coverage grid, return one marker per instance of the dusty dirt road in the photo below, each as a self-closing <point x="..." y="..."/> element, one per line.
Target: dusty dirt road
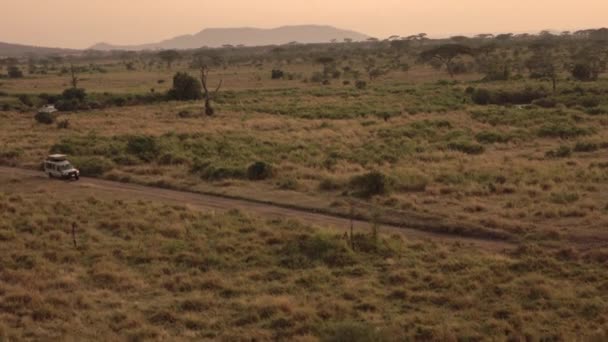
<point x="31" y="180"/>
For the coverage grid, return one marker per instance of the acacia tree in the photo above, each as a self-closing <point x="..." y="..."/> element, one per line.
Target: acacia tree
<point x="206" y="94"/>
<point x="169" y="56"/>
<point x="545" y="62"/>
<point x="445" y="54"/>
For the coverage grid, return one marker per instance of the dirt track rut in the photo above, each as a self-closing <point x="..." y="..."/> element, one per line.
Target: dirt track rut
<point x="31" y="180"/>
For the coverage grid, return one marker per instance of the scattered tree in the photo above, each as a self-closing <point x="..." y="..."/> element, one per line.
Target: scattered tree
<point x="169" y="56"/>
<point x="446" y="54"/>
<point x="207" y="95"/>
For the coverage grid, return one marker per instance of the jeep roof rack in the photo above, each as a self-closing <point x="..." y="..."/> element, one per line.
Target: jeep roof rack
<point x="57" y="157"/>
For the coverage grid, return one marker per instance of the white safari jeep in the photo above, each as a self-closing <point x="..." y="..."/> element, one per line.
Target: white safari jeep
<point x="57" y="165"/>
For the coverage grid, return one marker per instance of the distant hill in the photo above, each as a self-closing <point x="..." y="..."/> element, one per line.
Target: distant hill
<point x="245" y="36"/>
<point x="17" y="50"/>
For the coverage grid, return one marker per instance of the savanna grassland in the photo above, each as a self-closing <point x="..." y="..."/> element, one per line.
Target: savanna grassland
<point x="137" y="270"/>
<point x="507" y="141"/>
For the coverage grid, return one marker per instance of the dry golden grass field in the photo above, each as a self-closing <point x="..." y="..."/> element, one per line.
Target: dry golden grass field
<point x="409" y="149"/>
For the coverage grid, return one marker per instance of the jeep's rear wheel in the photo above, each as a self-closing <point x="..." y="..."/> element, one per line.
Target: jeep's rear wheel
<point x="50" y="175"/>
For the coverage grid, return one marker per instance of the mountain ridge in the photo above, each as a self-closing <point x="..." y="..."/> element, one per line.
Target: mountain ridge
<point x="247" y="36"/>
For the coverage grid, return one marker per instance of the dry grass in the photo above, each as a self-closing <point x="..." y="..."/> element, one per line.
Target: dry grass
<point x="149" y="271"/>
<point x="512" y="187"/>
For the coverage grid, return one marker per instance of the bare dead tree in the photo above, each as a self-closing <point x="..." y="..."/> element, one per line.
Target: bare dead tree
<point x="74" y="76"/>
<point x="207" y="95"/>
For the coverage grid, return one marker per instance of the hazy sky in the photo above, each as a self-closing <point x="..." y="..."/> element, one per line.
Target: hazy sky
<point x="81" y="23"/>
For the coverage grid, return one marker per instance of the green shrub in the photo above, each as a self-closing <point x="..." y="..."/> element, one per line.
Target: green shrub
<point x="78" y="94"/>
<point x="211" y="172"/>
<point x="92" y="166"/>
<point x="562" y="130"/>
<point x="546" y="102"/>
<point x="173" y="158"/>
<point x="481" y="96"/>
<point x="45" y="118"/>
<point x="466" y="147"/>
<point x="330" y="184"/>
<point x="586" y="147"/>
<point x="561" y="152"/>
<point x="360" y="84"/>
<point x="25" y="99"/>
<point x="144" y="147"/>
<point x="564" y="198"/>
<point x="14" y="72"/>
<point x="506" y="97"/>
<point x="185" y="88"/>
<point x="259" y="171"/>
<point x="370" y="184"/>
<point x="277" y="74"/>
<point x="583" y="72"/>
<point x="492" y="137"/>
<point x="307" y="251"/>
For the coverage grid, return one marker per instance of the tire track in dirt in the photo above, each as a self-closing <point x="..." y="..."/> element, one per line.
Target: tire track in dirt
<point x="31" y="180"/>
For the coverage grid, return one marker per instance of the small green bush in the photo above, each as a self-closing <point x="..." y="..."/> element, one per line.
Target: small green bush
<point x="562" y="130"/>
<point x="370" y="184"/>
<point x="78" y="94"/>
<point x="360" y="84"/>
<point x="277" y="74"/>
<point x="481" y="96"/>
<point x="144" y="147"/>
<point x="92" y="166"/>
<point x="466" y="147"/>
<point x="310" y="250"/>
<point x="259" y="171"/>
<point x="492" y="137"/>
<point x="185" y="88"/>
<point x="45" y="118"/>
<point x="586" y="147"/>
<point x="330" y="184"/>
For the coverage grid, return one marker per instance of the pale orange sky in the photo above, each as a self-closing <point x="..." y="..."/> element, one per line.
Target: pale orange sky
<point x="81" y="23"/>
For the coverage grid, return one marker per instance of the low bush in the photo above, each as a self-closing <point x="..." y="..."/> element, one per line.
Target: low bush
<point x="185" y="88"/>
<point x="144" y="147"/>
<point x="212" y="172"/>
<point x="586" y="147"/>
<point x="78" y="94"/>
<point x="360" y="84"/>
<point x="307" y="251"/>
<point x="277" y="74"/>
<point x="507" y="97"/>
<point x="466" y="147"/>
<point x="92" y="166"/>
<point x="370" y="184"/>
<point x="45" y="118"/>
<point x="259" y="171"/>
<point x="330" y="184"/>
<point x="562" y="130"/>
<point x="492" y="137"/>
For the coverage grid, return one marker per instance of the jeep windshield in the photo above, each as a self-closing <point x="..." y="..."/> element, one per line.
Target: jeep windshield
<point x="65" y="167"/>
